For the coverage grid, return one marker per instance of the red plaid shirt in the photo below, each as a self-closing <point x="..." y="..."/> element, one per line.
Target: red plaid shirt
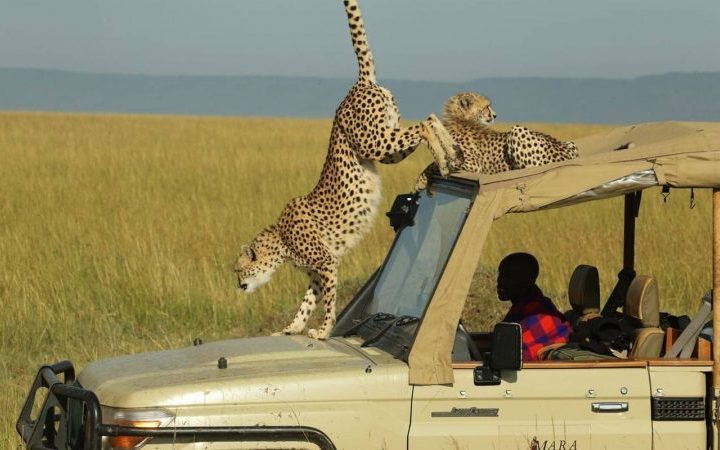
<point x="542" y="324"/>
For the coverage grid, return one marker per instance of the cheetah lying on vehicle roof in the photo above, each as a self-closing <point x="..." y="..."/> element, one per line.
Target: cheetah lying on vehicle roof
<point x="314" y="231"/>
<point x="484" y="150"/>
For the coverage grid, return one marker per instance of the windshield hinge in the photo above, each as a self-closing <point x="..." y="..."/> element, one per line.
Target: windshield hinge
<point x="378" y="317"/>
<point x="401" y="321"/>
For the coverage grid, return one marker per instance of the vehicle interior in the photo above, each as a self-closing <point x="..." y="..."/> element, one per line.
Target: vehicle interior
<point x="635" y="302"/>
<point x="387" y="310"/>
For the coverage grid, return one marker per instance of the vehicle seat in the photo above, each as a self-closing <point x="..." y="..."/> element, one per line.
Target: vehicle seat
<point x="643" y="304"/>
<point x="583" y="294"/>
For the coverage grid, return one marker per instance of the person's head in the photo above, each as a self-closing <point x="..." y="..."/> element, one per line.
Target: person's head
<point x="517" y="273"/>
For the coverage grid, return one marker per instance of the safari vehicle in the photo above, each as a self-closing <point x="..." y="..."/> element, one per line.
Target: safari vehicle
<point x="399" y="371"/>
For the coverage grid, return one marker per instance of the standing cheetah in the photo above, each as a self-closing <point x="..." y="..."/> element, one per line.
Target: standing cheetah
<point x="484" y="150"/>
<point x="315" y="230"/>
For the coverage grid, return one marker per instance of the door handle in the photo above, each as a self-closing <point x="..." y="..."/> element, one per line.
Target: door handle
<point x="609" y="407"/>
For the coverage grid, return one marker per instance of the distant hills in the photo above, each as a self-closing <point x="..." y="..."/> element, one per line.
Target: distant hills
<point x="676" y="96"/>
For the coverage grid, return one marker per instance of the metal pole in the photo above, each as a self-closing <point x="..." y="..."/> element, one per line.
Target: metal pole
<point x="626" y="275"/>
<point x="632" y="203"/>
<point x="716" y="291"/>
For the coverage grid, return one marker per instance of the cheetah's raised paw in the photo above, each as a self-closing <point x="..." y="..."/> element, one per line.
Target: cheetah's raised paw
<point x="441" y="145"/>
<point x="450" y="149"/>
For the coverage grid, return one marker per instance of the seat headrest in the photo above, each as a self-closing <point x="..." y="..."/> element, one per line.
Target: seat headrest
<point x="643" y="301"/>
<point x="584" y="289"/>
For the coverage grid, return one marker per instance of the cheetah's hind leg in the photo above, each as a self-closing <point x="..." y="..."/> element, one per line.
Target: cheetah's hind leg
<point x="441" y="145"/>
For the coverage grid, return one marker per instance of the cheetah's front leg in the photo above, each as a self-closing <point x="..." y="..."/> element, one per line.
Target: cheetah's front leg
<point x="441" y="145"/>
<point x="422" y="180"/>
<point x="328" y="285"/>
<point x="392" y="145"/>
<point x="312" y="254"/>
<point x="307" y="306"/>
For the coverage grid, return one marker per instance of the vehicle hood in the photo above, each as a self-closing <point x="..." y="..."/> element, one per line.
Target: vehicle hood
<point x="255" y="368"/>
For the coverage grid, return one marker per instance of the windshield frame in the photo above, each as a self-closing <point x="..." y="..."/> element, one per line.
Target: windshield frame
<point x="398" y="340"/>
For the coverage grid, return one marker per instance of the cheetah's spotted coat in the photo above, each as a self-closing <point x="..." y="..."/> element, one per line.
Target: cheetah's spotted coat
<point x="315" y="230"/>
<point x="484" y="150"/>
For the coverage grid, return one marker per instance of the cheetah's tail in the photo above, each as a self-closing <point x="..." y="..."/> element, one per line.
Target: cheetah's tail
<point x="359" y="40"/>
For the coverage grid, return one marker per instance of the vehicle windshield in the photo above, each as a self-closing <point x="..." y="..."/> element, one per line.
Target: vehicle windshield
<point x="420" y="252"/>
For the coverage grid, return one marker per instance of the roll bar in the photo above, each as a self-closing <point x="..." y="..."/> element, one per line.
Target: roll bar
<point x="627" y="274"/>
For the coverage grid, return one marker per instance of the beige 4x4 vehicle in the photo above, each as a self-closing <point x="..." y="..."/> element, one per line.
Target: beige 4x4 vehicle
<point x="399" y="372"/>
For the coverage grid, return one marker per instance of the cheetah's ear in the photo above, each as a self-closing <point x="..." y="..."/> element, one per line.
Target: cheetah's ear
<point x="464" y="101"/>
<point x="249" y="252"/>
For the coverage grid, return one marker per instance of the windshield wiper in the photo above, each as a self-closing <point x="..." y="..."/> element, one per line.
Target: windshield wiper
<point x="401" y="321"/>
<point x="377" y="317"/>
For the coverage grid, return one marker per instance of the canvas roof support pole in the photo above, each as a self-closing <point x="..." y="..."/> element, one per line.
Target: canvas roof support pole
<point x="430" y="358"/>
<point x="626" y="275"/>
<point x="716" y="293"/>
<point x="632" y="210"/>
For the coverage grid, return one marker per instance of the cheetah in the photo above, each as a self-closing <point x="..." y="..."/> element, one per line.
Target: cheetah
<point x="314" y="231"/>
<point x="484" y="150"/>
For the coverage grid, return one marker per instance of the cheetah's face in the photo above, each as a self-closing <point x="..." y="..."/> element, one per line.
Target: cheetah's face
<point x="256" y="264"/>
<point x="472" y="107"/>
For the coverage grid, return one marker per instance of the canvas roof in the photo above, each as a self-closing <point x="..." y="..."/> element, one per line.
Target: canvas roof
<point x="677" y="154"/>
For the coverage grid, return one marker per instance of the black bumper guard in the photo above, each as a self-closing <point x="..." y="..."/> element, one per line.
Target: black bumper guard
<point x="51" y="430"/>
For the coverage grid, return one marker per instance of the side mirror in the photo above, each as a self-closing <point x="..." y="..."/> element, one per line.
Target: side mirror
<point x="505" y="354"/>
<point x="506" y="350"/>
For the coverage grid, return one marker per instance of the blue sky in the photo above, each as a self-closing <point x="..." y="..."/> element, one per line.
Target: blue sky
<point x="452" y="40"/>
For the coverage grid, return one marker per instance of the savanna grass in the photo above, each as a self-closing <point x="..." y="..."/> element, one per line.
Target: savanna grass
<point x="118" y="234"/>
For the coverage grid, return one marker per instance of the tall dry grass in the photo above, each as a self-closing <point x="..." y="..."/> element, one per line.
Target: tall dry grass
<point x="118" y="234"/>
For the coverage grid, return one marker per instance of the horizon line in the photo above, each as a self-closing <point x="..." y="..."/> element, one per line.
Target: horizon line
<point x="307" y="77"/>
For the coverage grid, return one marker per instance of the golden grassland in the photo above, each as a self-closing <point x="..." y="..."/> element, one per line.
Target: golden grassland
<point x="118" y="234"/>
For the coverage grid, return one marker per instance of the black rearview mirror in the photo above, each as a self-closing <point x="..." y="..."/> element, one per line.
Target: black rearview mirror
<point x="506" y="347"/>
<point x="505" y="354"/>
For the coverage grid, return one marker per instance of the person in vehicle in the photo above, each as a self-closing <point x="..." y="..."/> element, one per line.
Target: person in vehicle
<point x="541" y="322"/>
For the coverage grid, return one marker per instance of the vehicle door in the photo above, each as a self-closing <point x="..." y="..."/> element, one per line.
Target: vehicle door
<point x="546" y="405"/>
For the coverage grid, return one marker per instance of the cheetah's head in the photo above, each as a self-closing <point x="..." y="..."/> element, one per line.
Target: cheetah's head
<point x="470" y="106"/>
<point x="258" y="260"/>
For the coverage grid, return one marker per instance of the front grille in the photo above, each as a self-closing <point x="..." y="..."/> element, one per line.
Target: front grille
<point x="678" y="408"/>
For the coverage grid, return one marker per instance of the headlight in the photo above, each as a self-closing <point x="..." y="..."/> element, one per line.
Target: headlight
<point x="140" y="418"/>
